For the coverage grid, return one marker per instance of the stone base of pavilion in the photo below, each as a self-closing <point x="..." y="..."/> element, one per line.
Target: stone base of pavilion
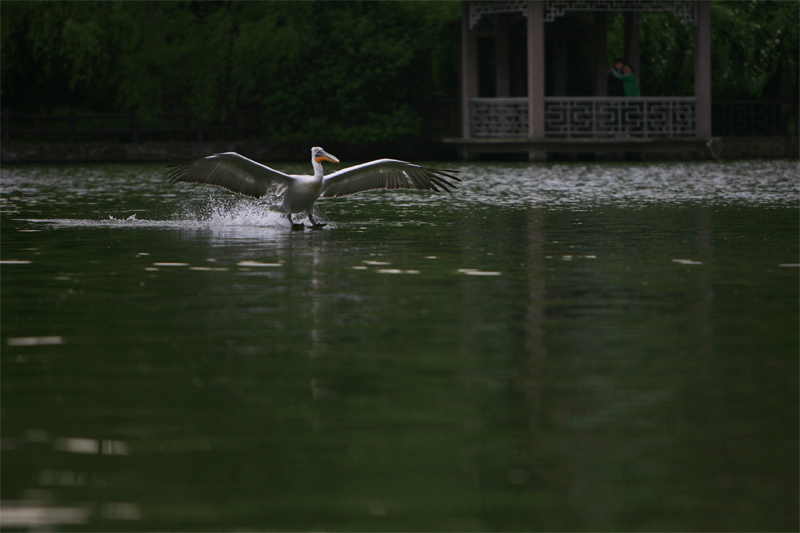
<point x="599" y="149"/>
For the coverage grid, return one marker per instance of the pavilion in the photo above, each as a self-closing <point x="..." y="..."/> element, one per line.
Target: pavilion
<point x="533" y="80"/>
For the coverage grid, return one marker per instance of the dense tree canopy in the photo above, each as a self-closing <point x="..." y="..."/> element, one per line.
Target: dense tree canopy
<point x="754" y="51"/>
<point x="353" y="70"/>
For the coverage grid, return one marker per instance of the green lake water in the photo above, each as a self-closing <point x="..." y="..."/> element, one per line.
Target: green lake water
<point x="557" y="347"/>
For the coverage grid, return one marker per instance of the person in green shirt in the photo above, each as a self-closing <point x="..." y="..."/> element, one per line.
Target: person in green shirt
<point x="629" y="82"/>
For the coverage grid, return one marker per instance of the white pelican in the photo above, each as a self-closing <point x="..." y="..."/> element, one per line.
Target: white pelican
<point x="244" y="176"/>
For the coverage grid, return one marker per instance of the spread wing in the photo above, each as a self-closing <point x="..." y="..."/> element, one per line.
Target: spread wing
<point x="231" y="171"/>
<point x="386" y="174"/>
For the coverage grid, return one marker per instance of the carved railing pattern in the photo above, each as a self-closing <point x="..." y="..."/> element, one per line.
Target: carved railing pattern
<point x="499" y="117"/>
<point x="620" y="117"/>
<point x="588" y="117"/>
<point x="683" y="9"/>
<point x="479" y="9"/>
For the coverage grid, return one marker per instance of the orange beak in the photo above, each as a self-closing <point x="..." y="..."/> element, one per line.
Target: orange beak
<point x="322" y="155"/>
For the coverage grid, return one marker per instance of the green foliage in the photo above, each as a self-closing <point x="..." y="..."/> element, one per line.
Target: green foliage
<point x="755" y="48"/>
<point x="754" y="51"/>
<point x="339" y="70"/>
<point x="51" y="52"/>
<point x="331" y="71"/>
<point x="355" y="71"/>
<point x="667" y="60"/>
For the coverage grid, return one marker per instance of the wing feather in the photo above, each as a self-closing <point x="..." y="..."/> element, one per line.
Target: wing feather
<point x="386" y="174"/>
<point x="230" y="171"/>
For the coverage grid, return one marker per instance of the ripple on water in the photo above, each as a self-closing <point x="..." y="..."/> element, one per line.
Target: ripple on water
<point x="244" y="213"/>
<point x="138" y="196"/>
<point x="567" y="185"/>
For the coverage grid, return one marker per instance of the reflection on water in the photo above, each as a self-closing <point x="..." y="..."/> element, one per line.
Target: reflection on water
<point x="557" y="347"/>
<point x="38" y="508"/>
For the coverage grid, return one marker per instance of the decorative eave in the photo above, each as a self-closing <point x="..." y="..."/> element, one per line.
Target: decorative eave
<point x="685" y="10"/>
<point x="479" y="9"/>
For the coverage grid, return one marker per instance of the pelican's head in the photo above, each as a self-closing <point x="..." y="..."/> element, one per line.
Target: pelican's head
<point x="319" y="155"/>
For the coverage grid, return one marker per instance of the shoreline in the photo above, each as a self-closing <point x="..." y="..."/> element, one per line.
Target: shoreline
<point x="773" y="147"/>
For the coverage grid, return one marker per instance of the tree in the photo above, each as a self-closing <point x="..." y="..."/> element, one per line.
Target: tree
<point x="331" y="71"/>
<point x="352" y="71"/>
<point x="754" y="49"/>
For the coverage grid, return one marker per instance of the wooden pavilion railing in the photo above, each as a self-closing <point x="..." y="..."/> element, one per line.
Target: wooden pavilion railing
<point x="642" y="118"/>
<point x="636" y="118"/>
<point x="588" y="117"/>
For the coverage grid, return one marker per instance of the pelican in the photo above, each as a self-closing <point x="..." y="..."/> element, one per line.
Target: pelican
<point x="299" y="193"/>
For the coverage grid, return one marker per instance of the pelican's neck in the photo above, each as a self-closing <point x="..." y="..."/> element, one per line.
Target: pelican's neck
<point x="318" y="170"/>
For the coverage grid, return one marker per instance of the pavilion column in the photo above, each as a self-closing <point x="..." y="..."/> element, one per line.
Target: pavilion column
<point x="702" y="69"/>
<point x="469" y="70"/>
<point x="535" y="36"/>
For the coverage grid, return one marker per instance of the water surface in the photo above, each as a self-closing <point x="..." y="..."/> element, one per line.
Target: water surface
<point x="551" y="347"/>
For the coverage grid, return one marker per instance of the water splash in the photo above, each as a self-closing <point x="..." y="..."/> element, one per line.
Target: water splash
<point x="131" y="218"/>
<point x="215" y="215"/>
<point x="246" y="213"/>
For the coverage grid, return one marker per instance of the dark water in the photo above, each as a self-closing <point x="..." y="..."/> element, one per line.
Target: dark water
<point x="552" y="347"/>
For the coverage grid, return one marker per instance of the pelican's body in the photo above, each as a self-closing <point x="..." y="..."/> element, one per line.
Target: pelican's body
<point x="299" y="193"/>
